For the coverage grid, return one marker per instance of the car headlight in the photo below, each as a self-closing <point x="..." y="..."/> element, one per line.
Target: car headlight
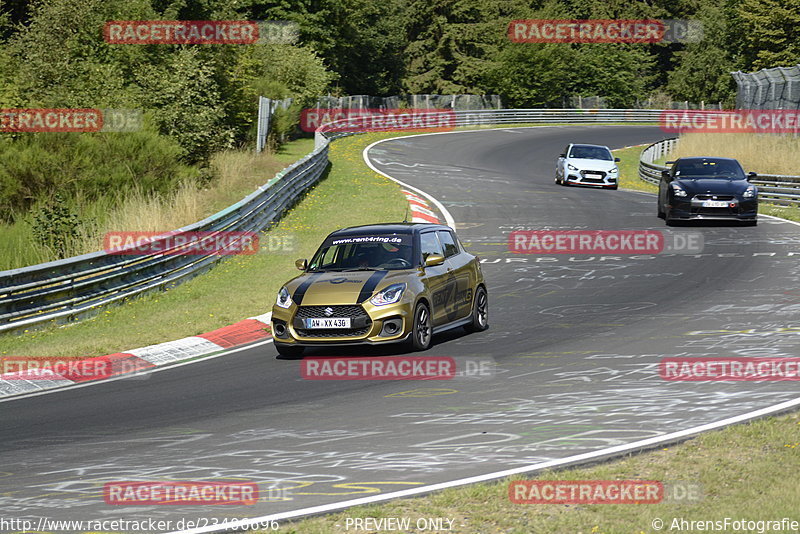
<point x="750" y="192"/>
<point x="284" y="298"/>
<point x="677" y="191"/>
<point x="614" y="170"/>
<point x="389" y="295"/>
<point x="572" y="167"/>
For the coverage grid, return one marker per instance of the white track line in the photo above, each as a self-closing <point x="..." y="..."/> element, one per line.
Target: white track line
<point x="256" y="522"/>
<point x="447" y="216"/>
<point x="562" y="462"/>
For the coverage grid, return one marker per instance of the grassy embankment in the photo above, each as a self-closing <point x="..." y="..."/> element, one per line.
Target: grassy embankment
<point x="242" y="286"/>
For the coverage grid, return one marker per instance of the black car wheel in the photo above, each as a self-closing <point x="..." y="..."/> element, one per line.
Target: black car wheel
<point x="289" y="351"/>
<point x="661" y="214"/>
<point x="421" y="331"/>
<point x="480" y="312"/>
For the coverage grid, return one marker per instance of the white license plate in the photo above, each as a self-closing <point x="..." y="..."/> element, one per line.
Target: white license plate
<point x="715" y="204"/>
<point x="592" y="175"/>
<point x="328" y="322"/>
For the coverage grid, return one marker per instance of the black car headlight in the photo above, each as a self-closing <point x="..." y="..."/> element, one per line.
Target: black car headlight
<point x="389" y="295"/>
<point x="750" y="192"/>
<point x="284" y="298"/>
<point x="571" y="167"/>
<point x="678" y="191"/>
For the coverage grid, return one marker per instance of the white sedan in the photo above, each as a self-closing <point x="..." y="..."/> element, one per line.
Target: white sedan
<point x="587" y="165"/>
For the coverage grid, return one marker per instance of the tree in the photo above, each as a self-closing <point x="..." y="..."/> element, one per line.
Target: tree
<point x="769" y="32"/>
<point x="702" y="69"/>
<point x="453" y="44"/>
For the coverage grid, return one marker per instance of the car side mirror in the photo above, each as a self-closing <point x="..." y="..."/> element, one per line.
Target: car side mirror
<point x="433" y="260"/>
<point x="665" y="175"/>
<point x="617" y="160"/>
<point x="669" y="163"/>
<point x="751" y="175"/>
<point x="301" y="264"/>
<point x="562" y="155"/>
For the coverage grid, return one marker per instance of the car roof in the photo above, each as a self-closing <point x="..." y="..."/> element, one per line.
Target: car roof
<point x="705" y="158"/>
<point x="592" y="146"/>
<point x="389" y="228"/>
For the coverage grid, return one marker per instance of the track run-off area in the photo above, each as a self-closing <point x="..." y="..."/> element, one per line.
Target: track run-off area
<point x="574" y="347"/>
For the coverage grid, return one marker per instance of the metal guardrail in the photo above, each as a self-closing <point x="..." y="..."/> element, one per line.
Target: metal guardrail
<point x="772" y="188"/>
<point x="494" y="117"/>
<point x="649" y="171"/>
<point x="78" y="287"/>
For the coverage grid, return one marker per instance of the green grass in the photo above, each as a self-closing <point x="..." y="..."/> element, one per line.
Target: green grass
<point x="629" y="169"/>
<point x="629" y="179"/>
<point x="744" y="472"/>
<point x="241" y="287"/>
<point x="15" y="246"/>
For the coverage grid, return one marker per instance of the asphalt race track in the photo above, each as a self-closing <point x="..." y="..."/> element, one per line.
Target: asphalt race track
<point x="575" y="339"/>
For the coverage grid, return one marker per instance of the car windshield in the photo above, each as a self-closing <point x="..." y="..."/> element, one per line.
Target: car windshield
<point x="591" y="152"/>
<point x="363" y="253"/>
<point x="722" y="169"/>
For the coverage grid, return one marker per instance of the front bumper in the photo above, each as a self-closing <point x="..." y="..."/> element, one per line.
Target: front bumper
<point x="369" y="324"/>
<point x="593" y="178"/>
<point x="692" y="209"/>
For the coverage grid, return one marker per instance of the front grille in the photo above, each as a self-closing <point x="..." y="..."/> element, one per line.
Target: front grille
<point x="593" y="180"/>
<point x="713" y="197"/>
<point x="352" y="311"/>
<point x="359" y="320"/>
<point x="336" y="332"/>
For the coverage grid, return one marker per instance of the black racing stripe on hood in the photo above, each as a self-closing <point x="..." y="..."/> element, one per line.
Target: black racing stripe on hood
<point x="300" y="292"/>
<point x="370" y="285"/>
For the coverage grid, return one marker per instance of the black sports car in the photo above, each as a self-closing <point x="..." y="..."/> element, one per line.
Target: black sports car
<point x="707" y="188"/>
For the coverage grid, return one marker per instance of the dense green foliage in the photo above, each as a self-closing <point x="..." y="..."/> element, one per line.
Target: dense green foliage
<point x="88" y="166"/>
<point x="202" y="99"/>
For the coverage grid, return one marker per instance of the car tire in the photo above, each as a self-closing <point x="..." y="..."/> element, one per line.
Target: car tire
<point x="480" y="312"/>
<point x="615" y="188"/>
<point x="421" y="328"/>
<point x="750" y="223"/>
<point x="661" y="214"/>
<point x="289" y="351"/>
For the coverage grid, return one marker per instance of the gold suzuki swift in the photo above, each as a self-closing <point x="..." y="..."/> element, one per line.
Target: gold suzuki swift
<point x="382" y="283"/>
